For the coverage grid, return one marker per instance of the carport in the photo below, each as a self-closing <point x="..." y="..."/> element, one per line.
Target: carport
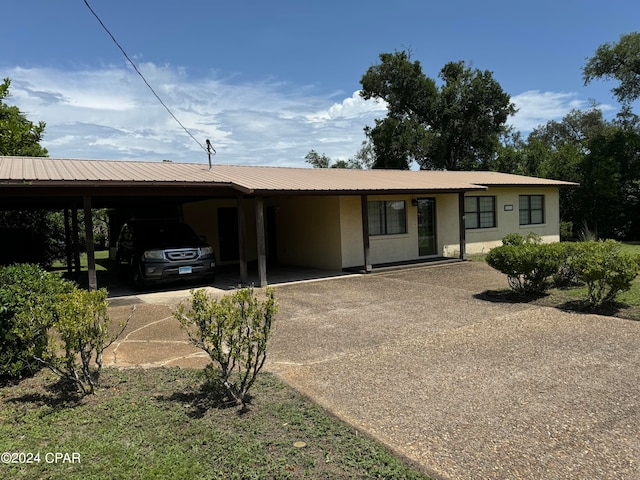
<point x="74" y="185"/>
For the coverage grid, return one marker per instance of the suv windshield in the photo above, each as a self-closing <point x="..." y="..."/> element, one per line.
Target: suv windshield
<point x="169" y="234"/>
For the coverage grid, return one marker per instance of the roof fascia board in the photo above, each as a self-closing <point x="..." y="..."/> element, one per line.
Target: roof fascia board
<point x="426" y="191"/>
<point x="542" y="185"/>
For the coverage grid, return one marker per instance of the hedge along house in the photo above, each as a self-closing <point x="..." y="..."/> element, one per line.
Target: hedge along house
<point x="321" y="218"/>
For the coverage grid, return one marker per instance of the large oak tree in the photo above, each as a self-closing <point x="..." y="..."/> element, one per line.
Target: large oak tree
<point x="454" y="126"/>
<point x="618" y="61"/>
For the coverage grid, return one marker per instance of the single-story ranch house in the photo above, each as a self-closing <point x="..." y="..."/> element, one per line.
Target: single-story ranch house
<point x="322" y="218"/>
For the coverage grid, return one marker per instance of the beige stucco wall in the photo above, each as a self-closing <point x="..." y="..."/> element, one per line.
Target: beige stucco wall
<point x="309" y="231"/>
<point x="482" y="240"/>
<point x="394" y="248"/>
<point x="202" y="216"/>
<point x="307" y="228"/>
<point x="448" y="224"/>
<point x="397" y="248"/>
<point x="351" y="232"/>
<point x="326" y="231"/>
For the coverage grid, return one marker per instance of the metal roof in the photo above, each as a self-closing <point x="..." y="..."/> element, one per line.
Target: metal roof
<point x="279" y="179"/>
<point x="498" y="179"/>
<point x="44" y="169"/>
<point x="248" y="179"/>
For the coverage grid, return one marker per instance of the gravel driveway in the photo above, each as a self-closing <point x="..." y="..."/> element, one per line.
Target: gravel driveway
<point x="470" y="389"/>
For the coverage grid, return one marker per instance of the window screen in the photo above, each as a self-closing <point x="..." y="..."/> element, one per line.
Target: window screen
<point x="387" y="217"/>
<point x="531" y="209"/>
<point x="480" y="212"/>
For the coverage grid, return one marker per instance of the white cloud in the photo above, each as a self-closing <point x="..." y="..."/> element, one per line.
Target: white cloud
<point x="536" y="108"/>
<point x="350" y="108"/>
<point x="110" y="113"/>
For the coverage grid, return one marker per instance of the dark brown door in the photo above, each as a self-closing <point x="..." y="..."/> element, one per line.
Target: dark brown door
<point x="228" y="233"/>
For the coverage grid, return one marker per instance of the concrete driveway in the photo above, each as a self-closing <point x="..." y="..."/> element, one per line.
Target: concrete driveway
<point x="468" y="388"/>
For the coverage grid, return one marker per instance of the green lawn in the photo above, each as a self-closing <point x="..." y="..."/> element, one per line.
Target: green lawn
<point x="157" y="424"/>
<point x="102" y="261"/>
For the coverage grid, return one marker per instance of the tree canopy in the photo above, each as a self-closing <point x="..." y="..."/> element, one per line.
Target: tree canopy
<point x="35" y="234"/>
<point x="602" y="156"/>
<point x="618" y="61"/>
<point x="361" y="160"/>
<point x="454" y="126"/>
<point x="18" y="136"/>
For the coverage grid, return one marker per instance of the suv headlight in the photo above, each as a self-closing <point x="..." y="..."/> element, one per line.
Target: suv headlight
<point x="206" y="251"/>
<point x="154" y="254"/>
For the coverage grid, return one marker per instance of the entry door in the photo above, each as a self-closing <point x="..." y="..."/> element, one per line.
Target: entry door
<point x="228" y="233"/>
<point x="427" y="244"/>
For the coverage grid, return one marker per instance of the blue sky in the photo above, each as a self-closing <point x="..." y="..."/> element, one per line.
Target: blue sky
<point x="267" y="81"/>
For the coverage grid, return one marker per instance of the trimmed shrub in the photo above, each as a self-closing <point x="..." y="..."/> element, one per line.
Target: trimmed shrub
<point x="566" y="276"/>
<point x="518" y="239"/>
<point x="27" y="298"/>
<point x="234" y="333"/>
<point x="604" y="269"/>
<point x="527" y="266"/>
<point x="532" y="268"/>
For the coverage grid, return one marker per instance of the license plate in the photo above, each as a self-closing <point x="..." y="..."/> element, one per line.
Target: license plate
<point x="183" y="270"/>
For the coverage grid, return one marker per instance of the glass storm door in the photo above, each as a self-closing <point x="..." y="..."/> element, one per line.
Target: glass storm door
<point x="427" y="244"/>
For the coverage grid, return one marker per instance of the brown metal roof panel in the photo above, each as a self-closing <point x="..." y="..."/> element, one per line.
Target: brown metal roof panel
<point x="49" y="169"/>
<point x="505" y="179"/>
<point x="5" y="169"/>
<point x="308" y="179"/>
<point x="72" y="170"/>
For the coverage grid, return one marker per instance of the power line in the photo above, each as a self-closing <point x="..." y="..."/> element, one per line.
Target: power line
<point x="209" y="149"/>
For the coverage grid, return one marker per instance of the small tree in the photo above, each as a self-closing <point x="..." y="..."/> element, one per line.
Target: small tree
<point x="234" y="333"/>
<point x="80" y="330"/>
<point x="322" y="161"/>
<point x="18" y="135"/>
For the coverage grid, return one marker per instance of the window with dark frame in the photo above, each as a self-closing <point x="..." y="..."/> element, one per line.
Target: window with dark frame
<point x="387" y="217"/>
<point x="531" y="209"/>
<point x="480" y="212"/>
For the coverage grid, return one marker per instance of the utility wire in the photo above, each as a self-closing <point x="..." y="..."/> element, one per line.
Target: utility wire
<point x="208" y="149"/>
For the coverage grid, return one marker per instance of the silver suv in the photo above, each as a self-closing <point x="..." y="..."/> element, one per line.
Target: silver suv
<point x="151" y="251"/>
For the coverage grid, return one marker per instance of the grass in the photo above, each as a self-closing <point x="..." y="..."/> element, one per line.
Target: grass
<point x="159" y="424"/>
<point x="102" y="261"/>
